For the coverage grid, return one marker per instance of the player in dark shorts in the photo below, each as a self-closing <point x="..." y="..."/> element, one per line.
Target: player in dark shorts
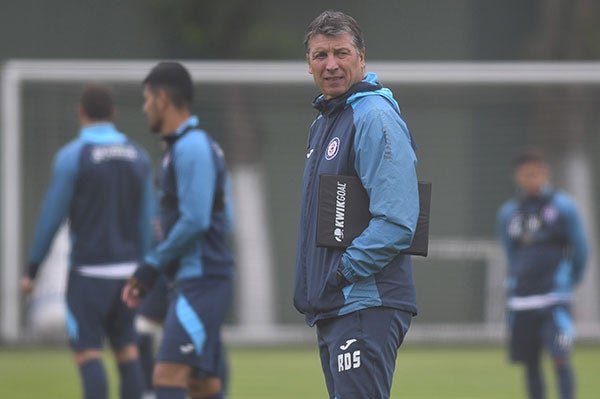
<point x="196" y="219"/>
<point x="546" y="250"/>
<point x="102" y="185"/>
<point x="361" y="298"/>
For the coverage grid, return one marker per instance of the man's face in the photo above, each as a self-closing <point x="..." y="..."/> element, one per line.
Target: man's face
<point x="335" y="63"/>
<point x="531" y="177"/>
<point x="152" y="110"/>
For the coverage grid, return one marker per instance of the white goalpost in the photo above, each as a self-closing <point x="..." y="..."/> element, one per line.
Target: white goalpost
<point x="257" y="322"/>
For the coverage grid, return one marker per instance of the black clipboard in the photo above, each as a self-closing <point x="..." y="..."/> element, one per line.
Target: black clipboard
<point x="343" y="213"/>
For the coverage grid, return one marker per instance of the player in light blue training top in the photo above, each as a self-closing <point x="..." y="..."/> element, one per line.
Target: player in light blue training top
<point x="102" y="185"/>
<point x="546" y="250"/>
<point x="196" y="220"/>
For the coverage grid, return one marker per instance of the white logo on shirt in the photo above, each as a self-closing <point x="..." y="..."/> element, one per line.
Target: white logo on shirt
<point x="347" y="344"/>
<point x="187" y="348"/>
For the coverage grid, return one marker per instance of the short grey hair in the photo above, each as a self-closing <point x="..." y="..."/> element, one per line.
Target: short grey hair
<point x="333" y="23"/>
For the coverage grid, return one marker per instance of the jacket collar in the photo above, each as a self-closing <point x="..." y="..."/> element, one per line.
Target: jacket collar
<point x="101" y="132"/>
<point x="545" y="195"/>
<point x="185" y="127"/>
<point x="327" y="107"/>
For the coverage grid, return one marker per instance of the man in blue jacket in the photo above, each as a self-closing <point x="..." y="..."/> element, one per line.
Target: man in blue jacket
<point x="196" y="220"/>
<point x="102" y="184"/>
<point x="361" y="298"/>
<point x="546" y="250"/>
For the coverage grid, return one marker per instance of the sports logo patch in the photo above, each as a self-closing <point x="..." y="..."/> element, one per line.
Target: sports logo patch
<point x="347" y="344"/>
<point x="332" y="148"/>
<point x="550" y="213"/>
<point x="166" y="160"/>
<point x="186" y="349"/>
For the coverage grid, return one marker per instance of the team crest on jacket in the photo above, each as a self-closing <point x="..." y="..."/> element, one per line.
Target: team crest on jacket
<point x="332" y="148"/>
<point x="550" y="213"/>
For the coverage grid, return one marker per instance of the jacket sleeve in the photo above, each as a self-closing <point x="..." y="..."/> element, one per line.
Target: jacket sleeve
<point x="196" y="179"/>
<point x="386" y="164"/>
<point x="56" y="204"/>
<point x="576" y="237"/>
<point x="147" y="214"/>
<point x="502" y="230"/>
<point x="229" y="204"/>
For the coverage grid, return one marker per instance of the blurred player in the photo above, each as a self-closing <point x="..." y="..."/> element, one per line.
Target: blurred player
<point x="102" y="184"/>
<point x="195" y="213"/>
<point x="148" y="324"/>
<point x="361" y="298"/>
<point x="544" y="242"/>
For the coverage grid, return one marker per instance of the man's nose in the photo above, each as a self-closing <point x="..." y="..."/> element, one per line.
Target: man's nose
<point x="332" y="63"/>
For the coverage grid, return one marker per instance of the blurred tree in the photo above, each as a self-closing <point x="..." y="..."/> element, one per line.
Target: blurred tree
<point x="227" y="29"/>
<point x="564" y="29"/>
<point x="236" y="29"/>
<point x="204" y="29"/>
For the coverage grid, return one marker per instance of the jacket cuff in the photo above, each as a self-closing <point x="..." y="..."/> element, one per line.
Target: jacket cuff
<point x="347" y="272"/>
<point x="145" y="277"/>
<point x="340" y="279"/>
<point x="32" y="270"/>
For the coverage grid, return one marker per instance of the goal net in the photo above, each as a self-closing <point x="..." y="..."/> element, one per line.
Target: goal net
<point x="468" y="120"/>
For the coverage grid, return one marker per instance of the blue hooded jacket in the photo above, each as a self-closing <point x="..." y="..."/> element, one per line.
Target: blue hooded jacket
<point x="362" y="134"/>
<point x="545" y="245"/>
<point x="101" y="183"/>
<point x="196" y="208"/>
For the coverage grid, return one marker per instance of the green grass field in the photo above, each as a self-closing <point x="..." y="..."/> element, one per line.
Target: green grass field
<point x="294" y="373"/>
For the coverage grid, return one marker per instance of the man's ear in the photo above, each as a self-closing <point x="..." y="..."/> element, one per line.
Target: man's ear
<point x="162" y="99"/>
<point x="308" y="63"/>
<point x="83" y="118"/>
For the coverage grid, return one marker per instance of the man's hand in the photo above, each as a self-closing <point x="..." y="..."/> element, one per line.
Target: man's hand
<point x="132" y="294"/>
<point x="139" y="284"/>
